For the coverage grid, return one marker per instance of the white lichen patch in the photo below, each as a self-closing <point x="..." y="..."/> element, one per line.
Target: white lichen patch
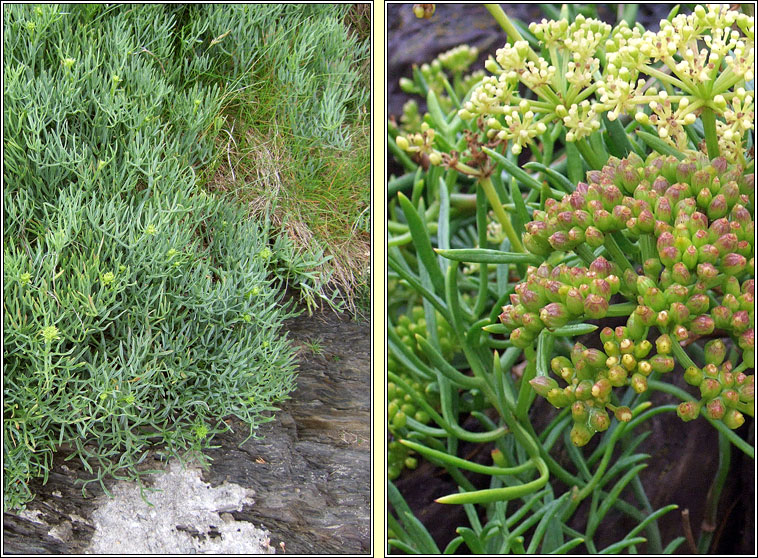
<point x="186" y="516"/>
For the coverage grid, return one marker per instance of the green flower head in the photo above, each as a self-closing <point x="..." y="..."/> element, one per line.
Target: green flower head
<point x="49" y="333"/>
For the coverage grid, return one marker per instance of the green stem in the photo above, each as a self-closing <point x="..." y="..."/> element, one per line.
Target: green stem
<point x="714" y="494"/>
<point x="502" y="216"/>
<point x="502" y="19"/>
<point x="616" y="253"/>
<point x="709" y="126"/>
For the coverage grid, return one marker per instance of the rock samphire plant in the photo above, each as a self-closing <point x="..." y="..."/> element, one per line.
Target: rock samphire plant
<point x="576" y="224"/>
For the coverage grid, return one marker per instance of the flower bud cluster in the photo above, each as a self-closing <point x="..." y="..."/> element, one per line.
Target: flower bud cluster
<point x="550" y="297"/>
<point x="722" y="391"/>
<point x="694" y="217"/>
<point x="591" y="375"/>
<point x="400" y="404"/>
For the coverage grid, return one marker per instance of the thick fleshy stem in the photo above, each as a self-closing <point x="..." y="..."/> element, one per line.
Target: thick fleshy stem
<point x="504" y="21"/>
<point x="709" y="127"/>
<point x="502" y="216"/>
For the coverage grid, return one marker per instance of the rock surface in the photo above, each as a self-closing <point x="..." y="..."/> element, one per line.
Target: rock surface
<point x="308" y="471"/>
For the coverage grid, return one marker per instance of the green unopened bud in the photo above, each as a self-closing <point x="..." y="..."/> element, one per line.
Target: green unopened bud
<point x="715" y="352"/>
<point x="709" y="388"/>
<point x="558" y="398"/>
<point x="555" y="315"/>
<point x="733" y="264"/>
<point x="730" y="397"/>
<point x="679" y="313"/>
<point x="639" y="382"/>
<point x="580" y="435"/>
<point x="558" y="363"/>
<point x="644" y="284"/>
<point x="580" y="411"/>
<point x="542" y="385"/>
<point x="574" y="301"/>
<point x="617" y="375"/>
<point x="662" y="363"/>
<point x="532" y="322"/>
<point x="522" y="338"/>
<point x="594" y="237"/>
<point x="623" y="414"/>
<point x="599" y="419"/>
<point x="715" y="409"/>
<point x="733" y="419"/>
<point x="583" y="390"/>
<point x="698" y="304"/>
<point x="602" y="389"/>
<point x="635" y="327"/>
<point x="595" y="306"/>
<point x="663" y="344"/>
<point x="629" y="362"/>
<point x="688" y="410"/>
<point x="693" y="376"/>
<point x="702" y="325"/>
<point x="676" y="293"/>
<point x="644" y="368"/>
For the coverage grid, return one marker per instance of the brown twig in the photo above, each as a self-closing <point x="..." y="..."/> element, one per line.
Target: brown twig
<point x="688" y="530"/>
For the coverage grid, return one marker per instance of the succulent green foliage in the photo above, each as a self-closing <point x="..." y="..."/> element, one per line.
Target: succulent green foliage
<point x="140" y="312"/>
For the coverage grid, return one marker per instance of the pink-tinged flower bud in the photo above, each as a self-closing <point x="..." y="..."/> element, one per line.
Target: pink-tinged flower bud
<point x="655" y="299"/>
<point x="552" y="290"/>
<point x="746" y="388"/>
<point x="606" y="334"/>
<point x="678" y="313"/>
<point x="708" y="253"/>
<point x="580" y="434"/>
<point x="639" y="382"/>
<point x="644" y="367"/>
<point x="601" y="267"/>
<point x="740" y="214"/>
<point x="594" y="358"/>
<point x="715" y="409"/>
<point x="531" y="321"/>
<point x="578" y="275"/>
<point x="690" y="257"/>
<point x="642" y="349"/>
<point x="709" y="388"/>
<point x="746" y="340"/>
<point x="748" y="286"/>
<point x="576" y="353"/>
<point x="575" y="236"/>
<point x="662" y="227"/>
<point x="731" y="192"/>
<point x="602" y="389"/>
<point x="718" y="228"/>
<point x="700" y="238"/>
<point x="747" y="301"/>
<point x="623" y="414"/>
<point x="702" y="325"/>
<point x="604" y="221"/>
<point x="740" y="321"/>
<point x="542" y="385"/>
<point x="621" y="214"/>
<point x="711" y="371"/>
<point x="582" y="219"/>
<point x="717" y="208"/>
<point x="665" y="239"/>
<point x="685" y="207"/>
<point x="599" y="419"/>
<point x="680" y="333"/>
<point x="715" y="352"/>
<point x="720" y="164"/>
<point x="731" y="302"/>
<point x="676" y="293"/>
<point x="730" y="397"/>
<point x="693" y="376"/>
<point x="559" y="362"/>
<point x="629" y="362"/>
<point x="704" y="198"/>
<point x="580" y="412"/>
<point x="554" y="315"/>
<point x="560" y="241"/>
<point x="731" y="286"/>
<point x="722" y="317"/>
<point x="617" y="376"/>
<point x="574" y="301"/>
<point x="669" y="255"/>
<point x="644" y="284"/>
<point x="733" y="419"/>
<point x="701" y="179"/>
<point x="594" y="237"/>
<point x="647" y="315"/>
<point x="680" y="274"/>
<point x="745" y="248"/>
<point x="620" y="333"/>
<point x="536" y="245"/>
<point x="558" y="398"/>
<point x="660" y="185"/>
<point x="522" y="338"/>
<point x="595" y="307"/>
<point x="565" y="220"/>
<point x="662" y="363"/>
<point x="733" y="264"/>
<point x="707" y="272"/>
<point x="583" y="390"/>
<point x="688" y="410"/>
<point x="601" y="287"/>
<point x="508" y="317"/>
<point x="626" y="346"/>
<point x="726" y="243"/>
<point x="662" y="319"/>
